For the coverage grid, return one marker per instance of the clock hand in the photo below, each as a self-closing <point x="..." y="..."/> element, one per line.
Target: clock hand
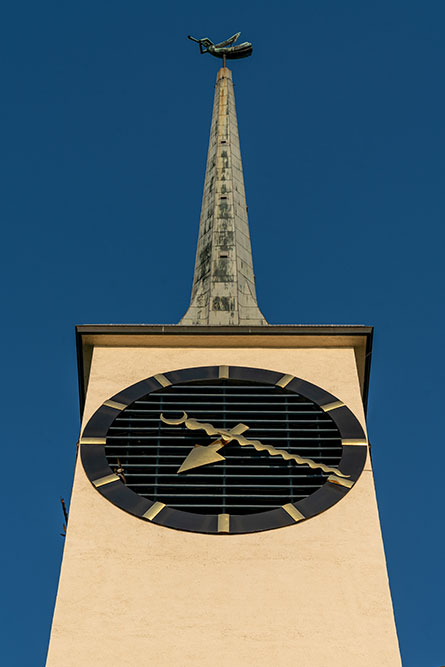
<point x="201" y="456"/>
<point x="195" y="425"/>
<point x="287" y="456"/>
<point x="236" y="434"/>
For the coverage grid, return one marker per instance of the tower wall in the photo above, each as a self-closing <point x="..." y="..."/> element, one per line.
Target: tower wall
<point x="312" y="594"/>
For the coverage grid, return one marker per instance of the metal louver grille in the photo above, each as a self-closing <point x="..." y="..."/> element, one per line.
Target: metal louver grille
<point x="150" y="452"/>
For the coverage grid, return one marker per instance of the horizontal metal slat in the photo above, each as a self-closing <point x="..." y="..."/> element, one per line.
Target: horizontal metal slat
<point x="189" y="473"/>
<point x="219" y="486"/>
<point x="228" y="457"/>
<point x="233" y="421"/>
<point x="262" y="430"/>
<point x="169" y="438"/>
<point x="279" y="466"/>
<point x="167" y="403"/>
<point x="226" y="475"/>
<point x="223" y="387"/>
<point x="216" y="495"/>
<point x="213" y="509"/>
<point x="229" y="411"/>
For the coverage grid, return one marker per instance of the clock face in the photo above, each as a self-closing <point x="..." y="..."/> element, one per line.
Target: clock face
<point x="223" y="449"/>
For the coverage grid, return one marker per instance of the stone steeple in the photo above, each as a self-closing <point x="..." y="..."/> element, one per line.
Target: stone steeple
<point x="224" y="284"/>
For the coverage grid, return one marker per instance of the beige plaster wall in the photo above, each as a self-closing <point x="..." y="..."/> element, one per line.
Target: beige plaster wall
<point x="313" y="594"/>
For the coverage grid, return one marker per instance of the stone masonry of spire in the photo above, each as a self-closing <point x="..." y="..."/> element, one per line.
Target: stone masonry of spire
<point x="224" y="285"/>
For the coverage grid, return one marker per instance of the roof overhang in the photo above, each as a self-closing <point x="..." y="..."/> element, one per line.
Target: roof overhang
<point x="89" y="336"/>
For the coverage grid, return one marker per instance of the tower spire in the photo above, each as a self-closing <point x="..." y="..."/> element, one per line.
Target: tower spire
<point x="224" y="285"/>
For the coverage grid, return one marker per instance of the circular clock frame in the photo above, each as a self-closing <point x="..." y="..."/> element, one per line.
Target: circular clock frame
<point x="109" y="484"/>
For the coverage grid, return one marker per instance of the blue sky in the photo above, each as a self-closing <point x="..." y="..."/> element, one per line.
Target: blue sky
<point x="105" y="113"/>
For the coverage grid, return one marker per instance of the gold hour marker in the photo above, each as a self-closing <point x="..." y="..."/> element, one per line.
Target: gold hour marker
<point x="353" y="441"/>
<point x="223" y="373"/>
<point x="332" y="406"/>
<point x="153" y="511"/>
<point x="115" y="405"/>
<point x="293" y="512"/>
<point x="340" y="481"/>
<point x="93" y="441"/>
<point x="284" y="381"/>
<point x="162" y="380"/>
<point x="223" y="523"/>
<point x="106" y="480"/>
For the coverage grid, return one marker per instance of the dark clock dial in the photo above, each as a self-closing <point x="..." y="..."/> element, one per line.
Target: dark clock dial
<point x="223" y="449"/>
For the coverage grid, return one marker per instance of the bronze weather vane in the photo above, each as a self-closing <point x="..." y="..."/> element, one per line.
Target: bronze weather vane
<point x="224" y="50"/>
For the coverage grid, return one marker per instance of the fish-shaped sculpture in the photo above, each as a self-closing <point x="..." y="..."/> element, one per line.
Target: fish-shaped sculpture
<point x="224" y="49"/>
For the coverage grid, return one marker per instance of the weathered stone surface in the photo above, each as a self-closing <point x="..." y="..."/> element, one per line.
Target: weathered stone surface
<point x="224" y="285"/>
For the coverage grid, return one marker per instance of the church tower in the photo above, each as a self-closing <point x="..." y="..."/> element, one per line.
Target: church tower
<point x="223" y="510"/>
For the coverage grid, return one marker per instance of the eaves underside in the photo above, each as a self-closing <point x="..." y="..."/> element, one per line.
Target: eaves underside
<point x="159" y="335"/>
<point x="178" y="329"/>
